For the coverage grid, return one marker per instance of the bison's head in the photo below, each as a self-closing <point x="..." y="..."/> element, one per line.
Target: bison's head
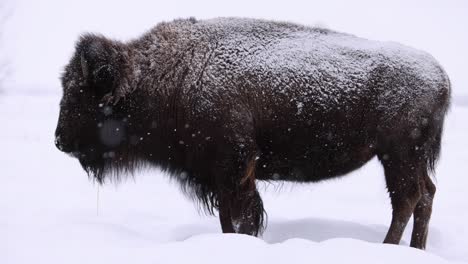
<point x="92" y="122"/>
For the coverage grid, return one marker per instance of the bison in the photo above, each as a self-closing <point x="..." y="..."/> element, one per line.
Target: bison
<point x="222" y="103"/>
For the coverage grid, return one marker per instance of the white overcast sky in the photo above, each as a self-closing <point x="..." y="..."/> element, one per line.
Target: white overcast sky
<point x="41" y="34"/>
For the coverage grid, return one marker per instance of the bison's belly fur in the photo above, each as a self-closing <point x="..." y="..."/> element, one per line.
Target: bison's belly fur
<point x="312" y="153"/>
<point x="222" y="103"/>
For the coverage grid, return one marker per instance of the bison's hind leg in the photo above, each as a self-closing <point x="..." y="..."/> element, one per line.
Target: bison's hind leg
<point x="411" y="191"/>
<point x="422" y="212"/>
<point x="402" y="179"/>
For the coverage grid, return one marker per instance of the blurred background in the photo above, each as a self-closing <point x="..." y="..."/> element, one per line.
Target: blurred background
<point x="38" y="36"/>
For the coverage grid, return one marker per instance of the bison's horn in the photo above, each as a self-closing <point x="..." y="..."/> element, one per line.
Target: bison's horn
<point x="84" y="66"/>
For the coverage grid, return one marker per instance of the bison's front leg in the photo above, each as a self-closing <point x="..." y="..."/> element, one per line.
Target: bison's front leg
<point x="248" y="213"/>
<point x="240" y="205"/>
<point x="225" y="215"/>
<point x="241" y="213"/>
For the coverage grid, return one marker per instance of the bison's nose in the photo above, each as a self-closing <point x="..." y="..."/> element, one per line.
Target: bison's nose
<point x="61" y="146"/>
<point x="58" y="143"/>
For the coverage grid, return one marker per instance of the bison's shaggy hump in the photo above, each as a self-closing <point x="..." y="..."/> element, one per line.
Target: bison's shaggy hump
<point x="224" y="102"/>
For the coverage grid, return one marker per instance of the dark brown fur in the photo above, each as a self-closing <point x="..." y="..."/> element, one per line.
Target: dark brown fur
<point x="204" y="101"/>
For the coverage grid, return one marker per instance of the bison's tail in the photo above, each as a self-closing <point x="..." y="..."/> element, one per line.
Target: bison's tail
<point x="436" y="127"/>
<point x="433" y="149"/>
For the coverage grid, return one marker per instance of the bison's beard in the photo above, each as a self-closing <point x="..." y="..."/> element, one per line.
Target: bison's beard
<point x="94" y="161"/>
<point x="109" y="165"/>
<point x="95" y="168"/>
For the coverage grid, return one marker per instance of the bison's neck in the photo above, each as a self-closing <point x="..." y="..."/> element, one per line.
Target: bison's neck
<point x="154" y="117"/>
<point x="168" y="76"/>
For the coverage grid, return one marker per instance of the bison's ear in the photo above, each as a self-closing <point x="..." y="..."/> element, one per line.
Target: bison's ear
<point x="99" y="60"/>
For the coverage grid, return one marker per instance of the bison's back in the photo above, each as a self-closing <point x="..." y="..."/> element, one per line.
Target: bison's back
<point x="317" y="67"/>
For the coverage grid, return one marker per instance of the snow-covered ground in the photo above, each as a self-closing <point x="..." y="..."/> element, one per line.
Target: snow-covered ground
<point x="50" y="212"/>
